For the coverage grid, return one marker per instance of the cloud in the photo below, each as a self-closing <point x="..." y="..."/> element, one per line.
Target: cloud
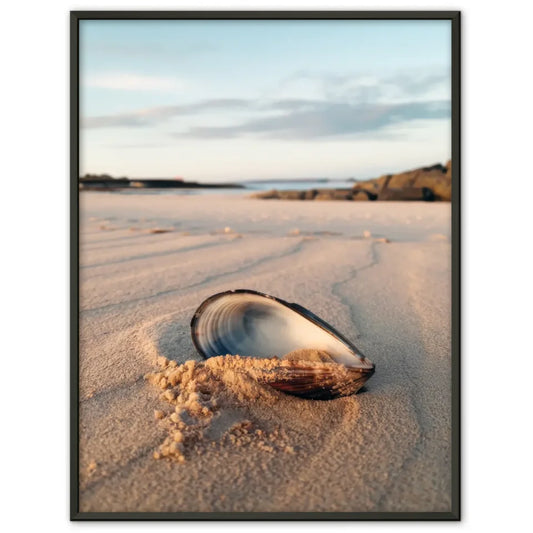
<point x="360" y="88"/>
<point x="420" y="85"/>
<point x="292" y="118"/>
<point x="133" y="82"/>
<point x="349" y="105"/>
<point x="327" y="120"/>
<point x="152" y="116"/>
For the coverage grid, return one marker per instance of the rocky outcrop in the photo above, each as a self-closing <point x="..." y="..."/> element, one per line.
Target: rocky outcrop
<point x="334" y="194"/>
<point x="371" y="187"/>
<point x="420" y="194"/>
<point x="311" y="194"/>
<point x="317" y="194"/>
<point x="363" y="196"/>
<point x="426" y="184"/>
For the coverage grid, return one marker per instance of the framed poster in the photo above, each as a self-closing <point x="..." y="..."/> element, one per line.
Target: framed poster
<point x="265" y="265"/>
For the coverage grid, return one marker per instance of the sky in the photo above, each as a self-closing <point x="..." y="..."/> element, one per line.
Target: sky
<point x="237" y="100"/>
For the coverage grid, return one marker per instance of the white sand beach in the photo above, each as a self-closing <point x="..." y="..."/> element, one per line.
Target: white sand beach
<point x="379" y="272"/>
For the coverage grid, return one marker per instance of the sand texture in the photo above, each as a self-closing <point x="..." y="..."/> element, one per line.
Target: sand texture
<point x="218" y="440"/>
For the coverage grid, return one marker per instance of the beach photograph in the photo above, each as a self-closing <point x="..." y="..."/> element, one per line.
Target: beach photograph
<point x="266" y="212"/>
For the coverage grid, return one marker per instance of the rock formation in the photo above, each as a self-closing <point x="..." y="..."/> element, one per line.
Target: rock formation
<point x="425" y="184"/>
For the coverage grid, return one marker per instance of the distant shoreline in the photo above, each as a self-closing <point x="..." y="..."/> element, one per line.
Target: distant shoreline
<point x="427" y="184"/>
<point x="431" y="183"/>
<point x="108" y="183"/>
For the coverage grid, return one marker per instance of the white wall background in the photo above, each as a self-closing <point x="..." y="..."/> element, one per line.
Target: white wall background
<point x="497" y="249"/>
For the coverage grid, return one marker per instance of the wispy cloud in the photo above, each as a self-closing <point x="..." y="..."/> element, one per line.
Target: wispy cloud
<point x="133" y="82"/>
<point x="350" y="105"/>
<point x="327" y="120"/>
<point x="155" y="115"/>
<point x="299" y="119"/>
<point x="369" y="88"/>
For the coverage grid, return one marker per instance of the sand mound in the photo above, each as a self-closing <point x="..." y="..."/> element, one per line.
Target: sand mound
<point x="211" y="400"/>
<point x="209" y="404"/>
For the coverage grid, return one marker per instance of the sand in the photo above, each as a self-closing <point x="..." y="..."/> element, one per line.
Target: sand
<point x="225" y="396"/>
<point x="378" y="272"/>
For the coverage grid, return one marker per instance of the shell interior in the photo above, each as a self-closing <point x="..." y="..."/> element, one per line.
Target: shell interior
<point x="248" y="323"/>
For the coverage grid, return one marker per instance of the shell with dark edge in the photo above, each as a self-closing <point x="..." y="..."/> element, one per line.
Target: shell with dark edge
<point x="252" y="324"/>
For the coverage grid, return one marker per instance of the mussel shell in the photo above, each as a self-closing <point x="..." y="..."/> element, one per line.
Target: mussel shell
<point x="253" y="324"/>
<point x="316" y="383"/>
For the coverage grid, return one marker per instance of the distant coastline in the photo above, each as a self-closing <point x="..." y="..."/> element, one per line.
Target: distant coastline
<point x="431" y="183"/>
<point x="428" y="184"/>
<point x="105" y="182"/>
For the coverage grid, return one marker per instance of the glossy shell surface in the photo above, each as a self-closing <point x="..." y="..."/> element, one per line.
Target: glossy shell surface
<point x="252" y="324"/>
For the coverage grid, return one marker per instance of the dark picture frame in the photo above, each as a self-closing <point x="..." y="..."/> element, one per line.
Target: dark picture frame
<point x="455" y="18"/>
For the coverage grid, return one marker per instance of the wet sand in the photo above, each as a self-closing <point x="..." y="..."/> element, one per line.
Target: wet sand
<point x="378" y="272"/>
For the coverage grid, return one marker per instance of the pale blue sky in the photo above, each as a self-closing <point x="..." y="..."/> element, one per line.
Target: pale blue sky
<point x="223" y="100"/>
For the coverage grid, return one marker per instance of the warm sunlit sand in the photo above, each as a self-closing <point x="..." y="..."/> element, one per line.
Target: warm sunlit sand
<point x="378" y="272"/>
